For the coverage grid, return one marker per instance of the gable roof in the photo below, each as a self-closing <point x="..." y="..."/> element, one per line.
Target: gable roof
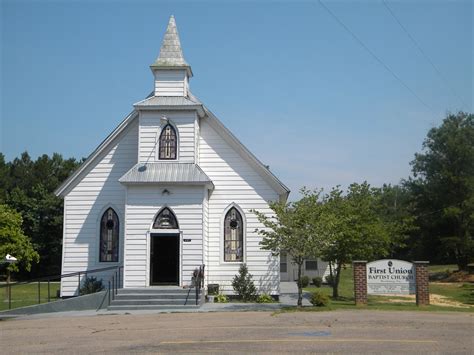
<point x="227" y="135"/>
<point x="64" y="188"/>
<point x="264" y="171"/>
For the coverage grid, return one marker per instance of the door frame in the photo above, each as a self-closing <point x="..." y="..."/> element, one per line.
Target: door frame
<point x="156" y="233"/>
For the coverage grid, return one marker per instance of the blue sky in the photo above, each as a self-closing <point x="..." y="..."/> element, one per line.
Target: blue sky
<point x="289" y="81"/>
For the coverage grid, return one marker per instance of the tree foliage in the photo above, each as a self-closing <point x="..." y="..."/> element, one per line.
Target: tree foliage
<point x="292" y="228"/>
<point x="28" y="186"/>
<point x="442" y="189"/>
<point x="14" y="242"/>
<point x="355" y="228"/>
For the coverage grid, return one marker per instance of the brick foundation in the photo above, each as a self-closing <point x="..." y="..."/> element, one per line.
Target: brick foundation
<point x="422" y="283"/>
<point x="360" y="282"/>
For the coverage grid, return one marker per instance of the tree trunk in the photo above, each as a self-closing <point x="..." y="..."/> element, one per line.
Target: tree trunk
<point x="300" y="289"/>
<point x="335" y="285"/>
<point x="7" y="289"/>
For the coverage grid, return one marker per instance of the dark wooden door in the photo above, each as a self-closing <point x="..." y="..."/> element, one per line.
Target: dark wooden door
<point x="164" y="259"/>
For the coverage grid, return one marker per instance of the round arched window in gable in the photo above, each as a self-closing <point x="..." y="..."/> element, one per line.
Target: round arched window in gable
<point x="168" y="143"/>
<point x="233" y="236"/>
<point x="109" y="236"/>
<point x="165" y="220"/>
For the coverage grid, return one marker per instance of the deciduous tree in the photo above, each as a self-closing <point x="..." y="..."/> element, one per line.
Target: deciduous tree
<point x="14" y="242"/>
<point x="291" y="229"/>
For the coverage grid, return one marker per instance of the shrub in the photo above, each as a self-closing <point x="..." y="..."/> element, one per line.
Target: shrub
<point x="265" y="298"/>
<point x="243" y="284"/>
<point x="304" y="281"/>
<point x="330" y="280"/>
<point x="220" y="298"/>
<point x="317" y="281"/>
<point x="91" y="285"/>
<point x="319" y="299"/>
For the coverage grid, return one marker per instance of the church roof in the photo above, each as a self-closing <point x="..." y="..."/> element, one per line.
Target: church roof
<point x="166" y="173"/>
<point x="171" y="54"/>
<point x="168" y="101"/>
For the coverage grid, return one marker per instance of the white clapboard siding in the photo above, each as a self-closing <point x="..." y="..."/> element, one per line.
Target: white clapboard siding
<point x="183" y="121"/>
<point x="88" y="200"/>
<point x="171" y="83"/>
<point x="236" y="182"/>
<point x="142" y="206"/>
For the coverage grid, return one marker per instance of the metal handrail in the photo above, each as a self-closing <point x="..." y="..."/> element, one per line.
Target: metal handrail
<point x="197" y="283"/>
<point x="56" y="277"/>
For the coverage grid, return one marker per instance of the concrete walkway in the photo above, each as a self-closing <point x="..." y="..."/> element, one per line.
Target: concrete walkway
<point x="288" y="298"/>
<point x="289" y="294"/>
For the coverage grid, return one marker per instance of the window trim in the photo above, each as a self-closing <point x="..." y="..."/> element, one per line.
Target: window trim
<point x="222" y="231"/>
<point x="176" y="132"/>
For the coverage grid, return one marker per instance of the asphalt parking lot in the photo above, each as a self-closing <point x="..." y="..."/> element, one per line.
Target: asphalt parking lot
<point x="243" y="332"/>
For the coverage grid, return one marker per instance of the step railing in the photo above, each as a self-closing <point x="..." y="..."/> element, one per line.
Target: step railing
<point x="197" y="282"/>
<point x="116" y="283"/>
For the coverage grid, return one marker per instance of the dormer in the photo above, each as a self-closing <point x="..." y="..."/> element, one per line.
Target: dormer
<point x="170" y="70"/>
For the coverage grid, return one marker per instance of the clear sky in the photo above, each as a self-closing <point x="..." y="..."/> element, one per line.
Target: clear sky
<point x="288" y="79"/>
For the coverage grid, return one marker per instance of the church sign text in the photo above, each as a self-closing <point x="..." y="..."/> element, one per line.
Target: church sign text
<point x="390" y="276"/>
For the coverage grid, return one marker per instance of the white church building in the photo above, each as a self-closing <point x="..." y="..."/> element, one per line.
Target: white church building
<point x="170" y="189"/>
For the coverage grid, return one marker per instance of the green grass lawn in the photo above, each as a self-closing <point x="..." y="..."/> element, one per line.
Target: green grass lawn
<point x="463" y="293"/>
<point x="441" y="268"/>
<point x="27" y="295"/>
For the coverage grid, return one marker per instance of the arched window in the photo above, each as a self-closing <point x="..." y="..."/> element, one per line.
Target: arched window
<point x="165" y="220"/>
<point x="233" y="236"/>
<point x="168" y="143"/>
<point x="109" y="236"/>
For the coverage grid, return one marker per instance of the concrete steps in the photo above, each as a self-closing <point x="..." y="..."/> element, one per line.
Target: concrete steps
<point x="155" y="298"/>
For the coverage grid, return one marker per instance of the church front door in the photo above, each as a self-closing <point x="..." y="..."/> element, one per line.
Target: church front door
<point x="164" y="259"/>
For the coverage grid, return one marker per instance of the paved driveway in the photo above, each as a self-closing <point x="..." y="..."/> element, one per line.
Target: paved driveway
<point x="243" y="332"/>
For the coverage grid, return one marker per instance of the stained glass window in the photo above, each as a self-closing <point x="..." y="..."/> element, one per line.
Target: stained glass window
<point x="109" y="236"/>
<point x="233" y="236"/>
<point x="168" y="143"/>
<point x="165" y="220"/>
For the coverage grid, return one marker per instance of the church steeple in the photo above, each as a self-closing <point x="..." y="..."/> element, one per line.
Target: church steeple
<point x="170" y="69"/>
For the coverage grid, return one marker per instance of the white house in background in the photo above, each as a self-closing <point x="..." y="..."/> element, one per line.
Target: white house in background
<point x="169" y="189"/>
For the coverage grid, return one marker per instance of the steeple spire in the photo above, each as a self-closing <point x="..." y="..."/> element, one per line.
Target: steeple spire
<point x="171" y="54"/>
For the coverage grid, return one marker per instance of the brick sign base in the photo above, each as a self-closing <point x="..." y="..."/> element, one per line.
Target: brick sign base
<point x="360" y="282"/>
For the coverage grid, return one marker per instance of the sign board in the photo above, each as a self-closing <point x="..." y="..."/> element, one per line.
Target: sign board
<point x="390" y="277"/>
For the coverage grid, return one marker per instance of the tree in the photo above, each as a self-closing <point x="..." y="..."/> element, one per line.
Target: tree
<point x="29" y="189"/>
<point x="394" y="206"/>
<point x="353" y="228"/>
<point x="14" y="242"/>
<point x="443" y="190"/>
<point x="291" y="229"/>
